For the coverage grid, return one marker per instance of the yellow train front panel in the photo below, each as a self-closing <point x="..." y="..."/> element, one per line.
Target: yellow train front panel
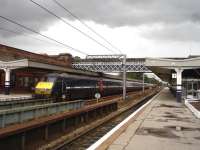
<point x="44" y="88"/>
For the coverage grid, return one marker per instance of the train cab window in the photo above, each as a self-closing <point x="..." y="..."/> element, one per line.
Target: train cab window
<point x="48" y="79"/>
<point x="51" y="79"/>
<point x="43" y="79"/>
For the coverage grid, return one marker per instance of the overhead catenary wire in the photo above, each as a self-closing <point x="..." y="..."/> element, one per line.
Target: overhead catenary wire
<point x="34" y="31"/>
<point x="67" y="23"/>
<point x="87" y="26"/>
<point x="27" y="35"/>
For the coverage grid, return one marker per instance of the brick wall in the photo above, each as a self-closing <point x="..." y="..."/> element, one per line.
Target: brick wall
<point x="9" y="53"/>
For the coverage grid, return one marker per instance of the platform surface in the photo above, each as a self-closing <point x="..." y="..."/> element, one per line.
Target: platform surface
<point x="163" y="125"/>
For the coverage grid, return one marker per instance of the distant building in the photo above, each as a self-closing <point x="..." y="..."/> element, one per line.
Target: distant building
<point x="25" y="69"/>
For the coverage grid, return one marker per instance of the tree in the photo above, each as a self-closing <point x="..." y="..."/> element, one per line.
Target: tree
<point x="77" y="59"/>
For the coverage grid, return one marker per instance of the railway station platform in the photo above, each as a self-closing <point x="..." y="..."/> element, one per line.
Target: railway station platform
<point x="164" y="124"/>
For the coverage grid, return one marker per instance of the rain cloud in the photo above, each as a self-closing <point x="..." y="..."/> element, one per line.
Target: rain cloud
<point x="179" y="19"/>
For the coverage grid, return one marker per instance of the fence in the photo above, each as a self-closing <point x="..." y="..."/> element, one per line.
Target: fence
<point x="22" y="114"/>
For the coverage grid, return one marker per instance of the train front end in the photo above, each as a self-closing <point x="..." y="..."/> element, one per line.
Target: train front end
<point x="44" y="88"/>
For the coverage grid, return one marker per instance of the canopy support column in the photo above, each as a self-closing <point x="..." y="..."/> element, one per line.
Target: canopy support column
<point x="7" y="80"/>
<point x="178" y="84"/>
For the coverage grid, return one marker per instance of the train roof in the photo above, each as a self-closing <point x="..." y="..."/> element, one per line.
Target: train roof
<point x="90" y="77"/>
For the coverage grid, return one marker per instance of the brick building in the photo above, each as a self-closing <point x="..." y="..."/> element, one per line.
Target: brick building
<point x="20" y="70"/>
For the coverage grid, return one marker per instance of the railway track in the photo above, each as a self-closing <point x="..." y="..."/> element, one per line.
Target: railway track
<point x="86" y="140"/>
<point x="109" y="98"/>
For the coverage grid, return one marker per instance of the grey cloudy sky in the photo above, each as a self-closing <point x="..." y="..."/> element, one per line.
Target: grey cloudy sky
<point x="140" y="28"/>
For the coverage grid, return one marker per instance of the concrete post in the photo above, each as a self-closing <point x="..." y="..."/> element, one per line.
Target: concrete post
<point x="124" y="77"/>
<point x="178" y="84"/>
<point x="7" y="81"/>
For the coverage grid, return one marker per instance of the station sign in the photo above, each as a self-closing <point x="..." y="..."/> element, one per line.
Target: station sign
<point x="174" y="75"/>
<point x="97" y="95"/>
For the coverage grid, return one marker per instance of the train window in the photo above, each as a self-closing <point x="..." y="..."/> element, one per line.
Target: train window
<point x="48" y="79"/>
<point x="51" y="79"/>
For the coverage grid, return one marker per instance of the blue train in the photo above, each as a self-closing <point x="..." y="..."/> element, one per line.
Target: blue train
<point x="72" y="87"/>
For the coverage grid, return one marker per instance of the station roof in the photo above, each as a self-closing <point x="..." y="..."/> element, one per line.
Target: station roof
<point x="23" y="63"/>
<point x="14" y="58"/>
<point x="13" y="54"/>
<point x="185" y="63"/>
<point x="164" y="67"/>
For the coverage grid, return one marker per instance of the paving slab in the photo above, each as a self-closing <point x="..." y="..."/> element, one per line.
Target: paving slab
<point x="163" y="125"/>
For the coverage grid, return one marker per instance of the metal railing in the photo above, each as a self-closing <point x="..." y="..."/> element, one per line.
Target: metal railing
<point x="195" y="94"/>
<point x="23" y="103"/>
<point x="19" y="115"/>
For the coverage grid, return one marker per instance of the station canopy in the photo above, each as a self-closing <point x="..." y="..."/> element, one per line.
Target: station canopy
<point x="165" y="67"/>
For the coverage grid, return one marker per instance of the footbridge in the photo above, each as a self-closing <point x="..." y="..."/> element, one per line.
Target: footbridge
<point x="111" y="63"/>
